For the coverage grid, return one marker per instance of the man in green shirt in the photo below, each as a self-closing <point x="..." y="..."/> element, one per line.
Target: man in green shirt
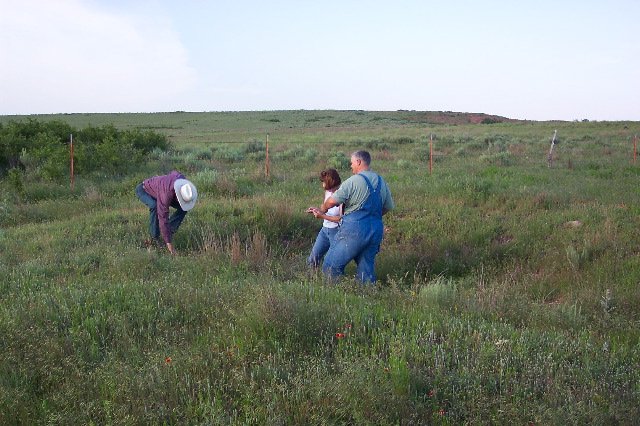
<point x="366" y="198"/>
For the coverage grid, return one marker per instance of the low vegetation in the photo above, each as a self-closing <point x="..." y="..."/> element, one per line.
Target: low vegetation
<point x="43" y="149"/>
<point x="508" y="285"/>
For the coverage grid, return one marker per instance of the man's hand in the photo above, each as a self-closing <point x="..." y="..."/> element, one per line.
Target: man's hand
<point x="171" y="249"/>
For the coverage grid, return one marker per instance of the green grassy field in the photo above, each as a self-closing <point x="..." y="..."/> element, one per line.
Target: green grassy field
<point x="508" y="294"/>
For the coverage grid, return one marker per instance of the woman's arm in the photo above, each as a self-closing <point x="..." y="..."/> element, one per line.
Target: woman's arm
<point x="319" y="215"/>
<point x="330" y="202"/>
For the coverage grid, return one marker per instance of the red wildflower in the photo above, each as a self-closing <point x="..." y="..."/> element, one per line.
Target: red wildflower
<point x="442" y="412"/>
<point x="431" y="393"/>
<point x="167" y="360"/>
<point x="339" y="335"/>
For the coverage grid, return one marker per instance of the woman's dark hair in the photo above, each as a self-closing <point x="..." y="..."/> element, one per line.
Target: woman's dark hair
<point x="331" y="178"/>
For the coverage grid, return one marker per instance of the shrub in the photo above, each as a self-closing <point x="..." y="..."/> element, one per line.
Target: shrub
<point x="339" y="161"/>
<point x="254" y="147"/>
<point x="109" y="150"/>
<point x="43" y="148"/>
<point x="402" y="140"/>
<point x="17" y="137"/>
<point x="15" y="177"/>
<point x="377" y="144"/>
<point x="229" y="154"/>
<point x="205" y="180"/>
<point x="298" y="153"/>
<point x="145" y="141"/>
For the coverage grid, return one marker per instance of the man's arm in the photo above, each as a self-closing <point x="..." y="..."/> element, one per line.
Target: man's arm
<point x="330" y="202"/>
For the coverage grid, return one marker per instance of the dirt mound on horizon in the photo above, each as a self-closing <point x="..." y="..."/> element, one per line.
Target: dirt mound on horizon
<point x="450" y="117"/>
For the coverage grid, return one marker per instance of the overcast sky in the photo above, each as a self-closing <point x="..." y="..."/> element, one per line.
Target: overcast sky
<point x="538" y="60"/>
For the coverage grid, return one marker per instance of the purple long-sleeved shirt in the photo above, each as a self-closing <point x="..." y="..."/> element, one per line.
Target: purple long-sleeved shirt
<point x="161" y="188"/>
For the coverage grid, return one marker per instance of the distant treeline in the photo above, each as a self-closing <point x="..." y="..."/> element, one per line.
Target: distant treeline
<point x="43" y="148"/>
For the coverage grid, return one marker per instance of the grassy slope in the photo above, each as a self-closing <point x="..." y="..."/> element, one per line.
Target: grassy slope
<point x="492" y="306"/>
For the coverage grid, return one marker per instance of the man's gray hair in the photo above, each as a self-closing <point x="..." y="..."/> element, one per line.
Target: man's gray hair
<point x="362" y="155"/>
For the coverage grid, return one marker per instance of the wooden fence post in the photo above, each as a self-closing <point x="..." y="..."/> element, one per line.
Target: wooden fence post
<point x="71" y="149"/>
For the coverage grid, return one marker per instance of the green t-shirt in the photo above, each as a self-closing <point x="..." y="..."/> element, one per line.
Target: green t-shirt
<point x="354" y="192"/>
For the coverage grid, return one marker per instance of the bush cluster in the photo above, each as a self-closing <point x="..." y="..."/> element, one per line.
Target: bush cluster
<point x="43" y="148"/>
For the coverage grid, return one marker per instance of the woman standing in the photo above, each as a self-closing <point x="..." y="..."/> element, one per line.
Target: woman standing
<point x="330" y="182"/>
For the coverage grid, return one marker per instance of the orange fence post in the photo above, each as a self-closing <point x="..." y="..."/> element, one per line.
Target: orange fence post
<point x="71" y="149"/>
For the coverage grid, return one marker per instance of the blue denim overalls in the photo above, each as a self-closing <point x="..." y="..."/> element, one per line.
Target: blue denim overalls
<point x="359" y="237"/>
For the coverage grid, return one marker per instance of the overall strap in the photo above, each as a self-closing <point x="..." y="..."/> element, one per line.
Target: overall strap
<point x="368" y="183"/>
<point x="373" y="191"/>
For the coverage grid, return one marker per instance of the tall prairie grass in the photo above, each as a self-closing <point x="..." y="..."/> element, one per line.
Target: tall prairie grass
<point x="508" y="289"/>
